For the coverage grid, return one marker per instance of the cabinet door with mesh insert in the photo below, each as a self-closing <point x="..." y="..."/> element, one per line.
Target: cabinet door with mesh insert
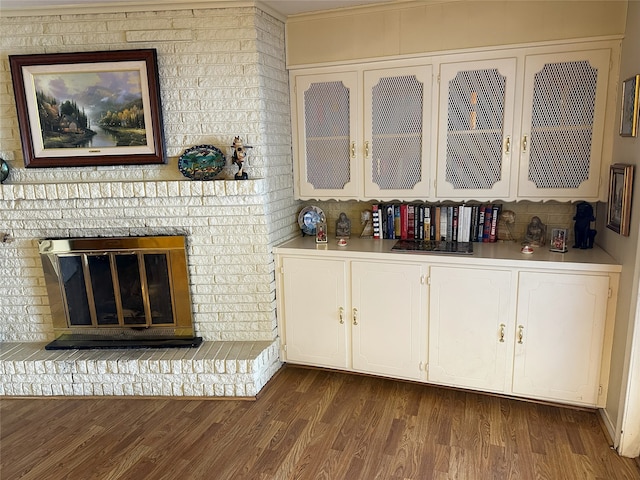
<point x="326" y="141"/>
<point x="397" y="132"/>
<point x="476" y="118"/>
<point x="563" y="124"/>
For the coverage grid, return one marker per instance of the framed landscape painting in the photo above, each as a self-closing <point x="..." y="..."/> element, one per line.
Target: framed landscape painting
<point x="90" y="108"/>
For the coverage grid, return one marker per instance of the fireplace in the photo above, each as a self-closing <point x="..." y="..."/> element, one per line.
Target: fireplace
<point x="124" y="292"/>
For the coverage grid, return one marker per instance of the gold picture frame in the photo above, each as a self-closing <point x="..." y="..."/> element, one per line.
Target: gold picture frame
<point x="620" y="189"/>
<point x="629" y="113"/>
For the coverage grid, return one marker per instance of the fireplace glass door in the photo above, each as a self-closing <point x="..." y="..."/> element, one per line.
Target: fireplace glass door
<point x="132" y="288"/>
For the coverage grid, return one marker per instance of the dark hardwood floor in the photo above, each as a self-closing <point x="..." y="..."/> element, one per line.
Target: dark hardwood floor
<point x="306" y="424"/>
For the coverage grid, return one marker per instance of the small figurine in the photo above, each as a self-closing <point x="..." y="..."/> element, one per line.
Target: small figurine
<point x="239" y="155"/>
<point x="343" y="226"/>
<point x="505" y="221"/>
<point x="365" y="219"/>
<point x="536" y="235"/>
<point x="583" y="232"/>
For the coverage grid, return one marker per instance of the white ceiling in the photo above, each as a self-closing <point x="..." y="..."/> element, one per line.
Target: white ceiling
<point x="284" y="7"/>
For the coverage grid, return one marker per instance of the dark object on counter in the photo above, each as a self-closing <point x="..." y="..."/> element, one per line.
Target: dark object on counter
<point x="425" y="246"/>
<point x="583" y="232"/>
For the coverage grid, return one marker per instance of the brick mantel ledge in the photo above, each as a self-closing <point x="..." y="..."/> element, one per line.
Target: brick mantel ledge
<point x="135" y="189"/>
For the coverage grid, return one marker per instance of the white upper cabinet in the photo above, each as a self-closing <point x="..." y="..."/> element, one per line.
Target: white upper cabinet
<point x="522" y="123"/>
<point x="561" y="145"/>
<point x="475" y="129"/>
<point x="397" y="122"/>
<point x="327" y="107"/>
<point x="363" y="134"/>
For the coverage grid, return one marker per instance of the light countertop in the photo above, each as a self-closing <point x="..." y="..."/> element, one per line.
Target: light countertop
<point x="498" y="254"/>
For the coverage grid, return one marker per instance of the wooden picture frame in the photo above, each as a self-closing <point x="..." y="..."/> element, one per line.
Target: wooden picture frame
<point x="620" y="189"/>
<point x="629" y="113"/>
<point x="88" y="109"/>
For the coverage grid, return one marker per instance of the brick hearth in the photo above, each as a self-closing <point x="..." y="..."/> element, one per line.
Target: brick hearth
<point x="215" y="369"/>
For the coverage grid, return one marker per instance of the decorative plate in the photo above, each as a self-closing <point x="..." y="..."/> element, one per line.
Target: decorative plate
<point x="202" y="162"/>
<point x="308" y="218"/>
<point x="4" y="170"/>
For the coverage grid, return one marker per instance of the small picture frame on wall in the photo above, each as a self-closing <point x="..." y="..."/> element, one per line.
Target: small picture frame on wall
<point x="629" y="114"/>
<point x="620" y="188"/>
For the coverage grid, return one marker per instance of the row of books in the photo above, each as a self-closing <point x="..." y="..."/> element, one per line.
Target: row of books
<point x="424" y="222"/>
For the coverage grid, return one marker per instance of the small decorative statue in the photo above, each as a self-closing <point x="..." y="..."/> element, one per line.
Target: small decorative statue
<point x="239" y="155"/>
<point x="505" y="221"/>
<point x="343" y="226"/>
<point x="582" y="230"/>
<point x="365" y="219"/>
<point x="536" y="235"/>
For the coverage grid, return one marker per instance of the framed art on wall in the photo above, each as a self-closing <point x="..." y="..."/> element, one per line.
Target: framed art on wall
<point x="619" y="208"/>
<point x="629" y="115"/>
<point x="89" y="108"/>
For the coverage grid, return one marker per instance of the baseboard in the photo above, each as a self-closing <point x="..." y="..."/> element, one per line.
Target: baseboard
<point x="607" y="426"/>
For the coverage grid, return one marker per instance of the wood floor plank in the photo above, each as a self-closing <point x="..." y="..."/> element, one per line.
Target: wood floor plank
<point x="307" y="424"/>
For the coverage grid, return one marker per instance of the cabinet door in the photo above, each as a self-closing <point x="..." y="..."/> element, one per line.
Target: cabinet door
<point x="315" y="306"/>
<point x="387" y="319"/>
<point x="563" y="125"/>
<point x="476" y="118"/>
<point x="397" y="132"/>
<point x="559" y="335"/>
<point x="326" y="111"/>
<point x="469" y="328"/>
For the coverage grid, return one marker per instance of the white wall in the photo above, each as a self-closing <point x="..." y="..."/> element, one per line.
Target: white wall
<point x="405" y="28"/>
<point x="625" y="250"/>
<point x="222" y="74"/>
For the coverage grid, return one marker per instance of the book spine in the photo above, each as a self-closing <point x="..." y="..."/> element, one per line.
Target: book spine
<point x="411" y="221"/>
<point x="486" y="232"/>
<point x="480" y="231"/>
<point x="473" y="230"/>
<point x="397" y="228"/>
<point x="494" y="223"/>
<point x="375" y="220"/>
<point x="449" y="234"/>
<point x="455" y="222"/>
<point x="426" y="211"/>
<point x="464" y="218"/>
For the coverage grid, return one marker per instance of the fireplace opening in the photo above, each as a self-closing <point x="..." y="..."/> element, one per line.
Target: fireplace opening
<point x="124" y="292"/>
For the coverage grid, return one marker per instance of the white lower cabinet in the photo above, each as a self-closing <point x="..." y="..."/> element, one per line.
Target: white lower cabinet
<point x="315" y="307"/>
<point x="362" y="316"/>
<point x="387" y="319"/>
<point x="560" y="328"/>
<point x="539" y="333"/>
<point x="470" y="327"/>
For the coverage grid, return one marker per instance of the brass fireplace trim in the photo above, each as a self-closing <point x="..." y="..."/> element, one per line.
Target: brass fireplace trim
<point x="171" y="246"/>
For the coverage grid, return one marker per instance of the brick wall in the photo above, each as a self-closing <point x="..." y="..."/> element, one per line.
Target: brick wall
<point x="222" y="74"/>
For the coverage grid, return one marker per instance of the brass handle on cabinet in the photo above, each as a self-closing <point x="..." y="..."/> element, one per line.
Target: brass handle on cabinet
<point x="520" y="334"/>
<point x="353" y="150"/>
<point x="507" y="145"/>
<point x="341" y="314"/>
<point x="502" y="327"/>
<point x="355" y="316"/>
<point x="366" y="149"/>
<point x="524" y="144"/>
